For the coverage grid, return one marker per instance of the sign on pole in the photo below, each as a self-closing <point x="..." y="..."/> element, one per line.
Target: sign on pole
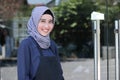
<point x="96" y="17"/>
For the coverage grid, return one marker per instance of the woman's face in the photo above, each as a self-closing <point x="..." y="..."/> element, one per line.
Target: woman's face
<point x="45" y="24"/>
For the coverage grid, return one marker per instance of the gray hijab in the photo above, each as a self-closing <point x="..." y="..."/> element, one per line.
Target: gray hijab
<point x="43" y="41"/>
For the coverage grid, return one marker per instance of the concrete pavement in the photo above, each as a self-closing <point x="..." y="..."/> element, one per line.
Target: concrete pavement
<point x="82" y="69"/>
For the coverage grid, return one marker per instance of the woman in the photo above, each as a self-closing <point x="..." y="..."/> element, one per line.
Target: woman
<point x="37" y="54"/>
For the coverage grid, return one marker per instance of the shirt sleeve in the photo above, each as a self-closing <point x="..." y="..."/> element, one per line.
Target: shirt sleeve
<point x="23" y="61"/>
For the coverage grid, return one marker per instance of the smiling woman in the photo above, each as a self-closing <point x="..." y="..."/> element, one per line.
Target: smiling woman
<point x="45" y="25"/>
<point x="37" y="54"/>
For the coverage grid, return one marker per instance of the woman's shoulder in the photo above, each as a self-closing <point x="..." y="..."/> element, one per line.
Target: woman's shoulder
<point x="53" y="46"/>
<point x="25" y="41"/>
<point x="53" y="43"/>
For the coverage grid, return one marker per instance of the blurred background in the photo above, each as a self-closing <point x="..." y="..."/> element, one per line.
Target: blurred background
<point x="73" y="34"/>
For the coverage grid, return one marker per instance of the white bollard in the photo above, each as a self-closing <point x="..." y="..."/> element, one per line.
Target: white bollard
<point x="3" y="51"/>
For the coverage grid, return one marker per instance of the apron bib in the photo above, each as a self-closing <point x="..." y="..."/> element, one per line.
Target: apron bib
<point x="49" y="68"/>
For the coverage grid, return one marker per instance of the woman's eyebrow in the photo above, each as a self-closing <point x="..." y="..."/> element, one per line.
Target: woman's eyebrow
<point x="42" y="19"/>
<point x="45" y="19"/>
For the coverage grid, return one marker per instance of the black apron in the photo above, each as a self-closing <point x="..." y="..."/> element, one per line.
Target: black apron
<point x="49" y="68"/>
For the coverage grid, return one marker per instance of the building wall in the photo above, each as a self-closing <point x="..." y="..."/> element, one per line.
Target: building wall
<point x="19" y="30"/>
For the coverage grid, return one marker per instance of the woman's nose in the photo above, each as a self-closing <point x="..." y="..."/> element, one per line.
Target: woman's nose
<point x="46" y="25"/>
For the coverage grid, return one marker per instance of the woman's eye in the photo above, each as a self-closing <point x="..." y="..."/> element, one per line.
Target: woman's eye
<point x="42" y="21"/>
<point x="51" y="21"/>
<point x="45" y="21"/>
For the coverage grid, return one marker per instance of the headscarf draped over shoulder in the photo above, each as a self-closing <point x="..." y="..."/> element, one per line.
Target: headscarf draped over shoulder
<point x="37" y="12"/>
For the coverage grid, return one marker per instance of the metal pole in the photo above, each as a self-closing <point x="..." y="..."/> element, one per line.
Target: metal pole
<point x="0" y="72"/>
<point x="97" y="49"/>
<point x="107" y="43"/>
<point x="95" y="53"/>
<point x="119" y="45"/>
<point x="116" y="50"/>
